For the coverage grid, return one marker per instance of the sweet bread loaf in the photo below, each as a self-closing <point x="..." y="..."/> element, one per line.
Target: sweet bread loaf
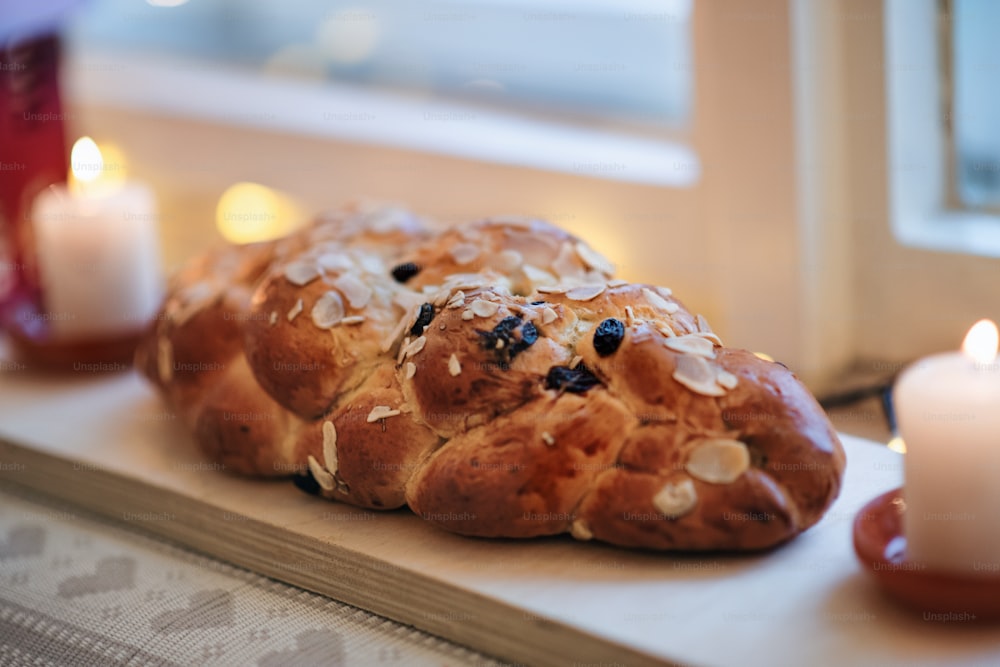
<point x="495" y="378"/>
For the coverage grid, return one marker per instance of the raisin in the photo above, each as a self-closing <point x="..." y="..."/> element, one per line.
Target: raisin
<point x="502" y="342"/>
<point x="405" y="271"/>
<point x="423" y="319"/>
<point x="306" y="483"/>
<point x="537" y="303"/>
<point x="608" y="336"/>
<point x="574" y="380"/>
<point x="529" y="334"/>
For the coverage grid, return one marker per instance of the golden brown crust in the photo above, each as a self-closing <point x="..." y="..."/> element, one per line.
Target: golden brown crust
<point x="494" y="378"/>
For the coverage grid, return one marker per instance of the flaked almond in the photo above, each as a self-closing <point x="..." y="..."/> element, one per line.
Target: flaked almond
<point x="357" y="293"/>
<point x="165" y="359"/>
<point x="508" y="261"/>
<point x="415" y="347"/>
<point x="549" y="315"/>
<point x="468" y="315"/>
<point x="665" y="329"/>
<point x="396" y="332"/>
<point x="322" y="477"/>
<point x="548" y="439"/>
<point x="575" y="361"/>
<point x="665" y="292"/>
<point x="334" y="262"/>
<point x="454" y="365"/>
<point x="295" y="310"/>
<point x="580" y="530"/>
<point x="373" y="264"/>
<point x="698" y="375"/>
<point x="718" y="460"/>
<point x="330" y="446"/>
<point x="565" y="264"/>
<point x="586" y="292"/>
<point x="328" y="310"/>
<point x="658" y="302"/>
<point x="702" y="324"/>
<point x="726" y="379"/>
<point x="629" y="316"/>
<point x="272" y="319"/>
<point x="617" y="282"/>
<point x="402" y="350"/>
<point x="537" y="275"/>
<point x="691" y="344"/>
<point x="595" y="260"/>
<point x="552" y="289"/>
<point x="387" y="219"/>
<point x="465" y="281"/>
<point x="353" y="319"/>
<point x="676" y="499"/>
<point x="463" y="253"/>
<point x="710" y="335"/>
<point x="483" y="308"/>
<point x="381" y="412"/>
<point x="411" y="370"/>
<point x="301" y="272"/>
<point x="457" y="300"/>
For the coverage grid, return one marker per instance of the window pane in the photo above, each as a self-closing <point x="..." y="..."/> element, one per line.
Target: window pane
<point x="624" y="59"/>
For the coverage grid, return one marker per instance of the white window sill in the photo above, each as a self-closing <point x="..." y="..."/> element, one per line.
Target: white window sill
<point x="954" y="231"/>
<point x="322" y="109"/>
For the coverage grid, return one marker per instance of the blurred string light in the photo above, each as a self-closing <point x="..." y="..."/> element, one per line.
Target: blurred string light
<point x="250" y="212"/>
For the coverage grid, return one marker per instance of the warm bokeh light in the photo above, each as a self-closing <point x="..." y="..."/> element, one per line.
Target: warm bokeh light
<point x="96" y="169"/>
<point x="250" y="212"/>
<point x="897" y="445"/>
<point x="980" y="343"/>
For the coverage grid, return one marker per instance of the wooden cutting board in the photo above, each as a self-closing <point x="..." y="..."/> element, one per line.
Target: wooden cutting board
<point x="107" y="444"/>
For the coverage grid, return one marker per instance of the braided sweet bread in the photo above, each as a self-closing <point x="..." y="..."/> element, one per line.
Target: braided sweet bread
<point x="493" y="377"/>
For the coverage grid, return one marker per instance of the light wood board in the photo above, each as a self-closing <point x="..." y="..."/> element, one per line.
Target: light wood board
<point x="107" y="444"/>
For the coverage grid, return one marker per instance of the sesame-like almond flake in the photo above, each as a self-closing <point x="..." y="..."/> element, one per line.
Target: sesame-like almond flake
<point x="402" y="350"/>
<point x="537" y="275"/>
<point x="548" y="439"/>
<point x="698" y="375"/>
<point x="330" y="446"/>
<point x="272" y="319"/>
<point x="658" y="302"/>
<point x="580" y="530"/>
<point x="718" y="460"/>
<point x="416" y="346"/>
<point x="463" y="253"/>
<point x="328" y="310"/>
<point x="552" y="289"/>
<point x="617" y="282"/>
<point x="357" y="292"/>
<point x="411" y="370"/>
<point x="398" y="330"/>
<point x="483" y="308"/>
<point x="468" y="315"/>
<point x="549" y="315"/>
<point x="594" y="259"/>
<point x="702" y="324"/>
<point x="353" y="319"/>
<point x="629" y="316"/>
<point x="301" y="273"/>
<point x="295" y="310"/>
<point x="691" y="344"/>
<point x="665" y="292"/>
<point x="676" y="499"/>
<point x="586" y="292"/>
<point x="322" y="477"/>
<point x="711" y="336"/>
<point x="381" y="412"/>
<point x="726" y="379"/>
<point x="509" y="260"/>
<point x="454" y="365"/>
<point x="457" y="300"/>
<point x="665" y="329"/>
<point x="334" y="262"/>
<point x="565" y="264"/>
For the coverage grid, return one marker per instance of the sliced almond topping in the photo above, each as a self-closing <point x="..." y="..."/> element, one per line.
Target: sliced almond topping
<point x="411" y="370"/>
<point x="617" y="282"/>
<point x="665" y="329"/>
<point x="273" y="318"/>
<point x="549" y="315"/>
<point x="402" y="350"/>
<point x="463" y="253"/>
<point x="301" y="273"/>
<point x="709" y="335"/>
<point x="165" y="359"/>
<point x="595" y="260"/>
<point x="398" y="330"/>
<point x="726" y="379"/>
<point x="373" y="264"/>
<point x="358" y="293"/>
<point x="664" y="291"/>
<point x="328" y="311"/>
<point x="513" y="220"/>
<point x="548" y="439"/>
<point x="691" y="344"/>
<point x="580" y="530"/>
<point x="575" y="361"/>
<point x="658" y="302"/>
<point x="415" y="347"/>
<point x="536" y="275"/>
<point x="322" y="477"/>
<point x="718" y="460"/>
<point x="586" y="292"/>
<point x="468" y="315"/>
<point x="703" y="324"/>
<point x="676" y="499"/>
<point x="629" y="315"/>
<point x="457" y="300"/>
<point x="552" y="289"/>
<point x="353" y="319"/>
<point x="698" y="375"/>
<point x="295" y="310"/>
<point x="508" y="261"/>
<point x="330" y="446"/>
<point x="565" y="264"/>
<point x="381" y="412"/>
<point x="484" y="308"/>
<point x="334" y="262"/>
<point x="454" y="365"/>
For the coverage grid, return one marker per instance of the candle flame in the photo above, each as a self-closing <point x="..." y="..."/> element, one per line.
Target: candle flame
<point x="980" y="343"/>
<point x="86" y="161"/>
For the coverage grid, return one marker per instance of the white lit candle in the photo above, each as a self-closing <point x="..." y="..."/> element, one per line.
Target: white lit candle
<point x="948" y="407"/>
<point x="97" y="250"/>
